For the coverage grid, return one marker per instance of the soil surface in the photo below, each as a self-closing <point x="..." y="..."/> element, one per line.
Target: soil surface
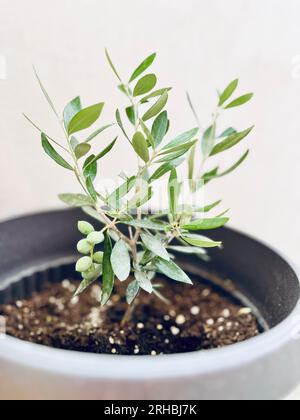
<point x="198" y="317"/>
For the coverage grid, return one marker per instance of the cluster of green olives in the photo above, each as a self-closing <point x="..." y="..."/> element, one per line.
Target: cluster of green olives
<point x="90" y="266"/>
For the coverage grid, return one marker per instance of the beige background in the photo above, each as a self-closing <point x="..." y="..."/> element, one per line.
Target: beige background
<point x="202" y="44"/>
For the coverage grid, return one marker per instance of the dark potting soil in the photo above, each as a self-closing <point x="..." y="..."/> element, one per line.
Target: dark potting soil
<point x="198" y="317"/>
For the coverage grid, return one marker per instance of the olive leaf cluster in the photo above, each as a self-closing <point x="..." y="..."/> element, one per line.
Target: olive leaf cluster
<point x="150" y="241"/>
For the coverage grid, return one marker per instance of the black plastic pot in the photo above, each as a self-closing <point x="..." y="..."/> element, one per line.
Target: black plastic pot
<point x="35" y="246"/>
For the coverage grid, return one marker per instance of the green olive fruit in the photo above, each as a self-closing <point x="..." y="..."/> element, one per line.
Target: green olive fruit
<point x="94" y="272"/>
<point x="98" y="257"/>
<point x="95" y="238"/>
<point x="84" y="264"/>
<point x="85" y="228"/>
<point x="90" y="274"/>
<point x="84" y="247"/>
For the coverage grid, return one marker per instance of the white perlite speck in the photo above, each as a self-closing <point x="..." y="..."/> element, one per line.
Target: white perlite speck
<point x="75" y="300"/>
<point x="95" y="291"/>
<point x="180" y="319"/>
<point x="175" y="330"/>
<point x="226" y="313"/>
<point x="195" y="310"/>
<point x="245" y="311"/>
<point x="66" y="284"/>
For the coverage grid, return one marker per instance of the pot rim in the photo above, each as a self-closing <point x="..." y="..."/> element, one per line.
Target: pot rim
<point x="103" y="366"/>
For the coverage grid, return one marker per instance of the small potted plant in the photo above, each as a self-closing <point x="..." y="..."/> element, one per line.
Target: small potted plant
<point x="156" y="297"/>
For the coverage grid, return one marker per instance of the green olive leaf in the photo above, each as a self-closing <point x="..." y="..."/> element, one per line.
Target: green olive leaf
<point x="145" y="85"/>
<point x="209" y="207"/>
<point x="175" y="156"/>
<point x="242" y="100"/>
<point x="153" y="244"/>
<point x="143" y="67"/>
<point x="91" y="189"/>
<point x="50" y="151"/>
<point x="91" y="169"/>
<point x="121" y="261"/>
<point x="228" y="92"/>
<point x="121" y="125"/>
<point x="159" y="128"/>
<point x="140" y="146"/>
<point x="49" y="100"/>
<point x="148" y="134"/>
<point x="172" y="271"/>
<point x="71" y="110"/>
<point x="180" y="148"/>
<point x="208" y="140"/>
<point x="182" y="139"/>
<point x="114" y="200"/>
<point x="108" y="277"/>
<point x="191" y="166"/>
<point x="173" y="191"/>
<point x="144" y="280"/>
<point x="132" y="292"/>
<point x="187" y="250"/>
<point x="154" y="94"/>
<point x="228" y="132"/>
<point x="165" y="168"/>
<point x="130" y="112"/>
<point x="230" y="142"/>
<point x="206" y="224"/>
<point x="210" y="175"/>
<point x="82" y="149"/>
<point x="235" y="166"/>
<point x="85" y="118"/>
<point x="112" y="65"/>
<point x="200" y="241"/>
<point x="123" y="88"/>
<point x="76" y="200"/>
<point x="157" y="107"/>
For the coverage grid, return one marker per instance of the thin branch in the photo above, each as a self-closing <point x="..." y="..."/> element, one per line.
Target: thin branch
<point x="41" y="131"/>
<point x="193" y="110"/>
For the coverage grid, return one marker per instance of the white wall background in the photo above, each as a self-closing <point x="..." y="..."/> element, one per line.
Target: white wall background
<point x="202" y="44"/>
